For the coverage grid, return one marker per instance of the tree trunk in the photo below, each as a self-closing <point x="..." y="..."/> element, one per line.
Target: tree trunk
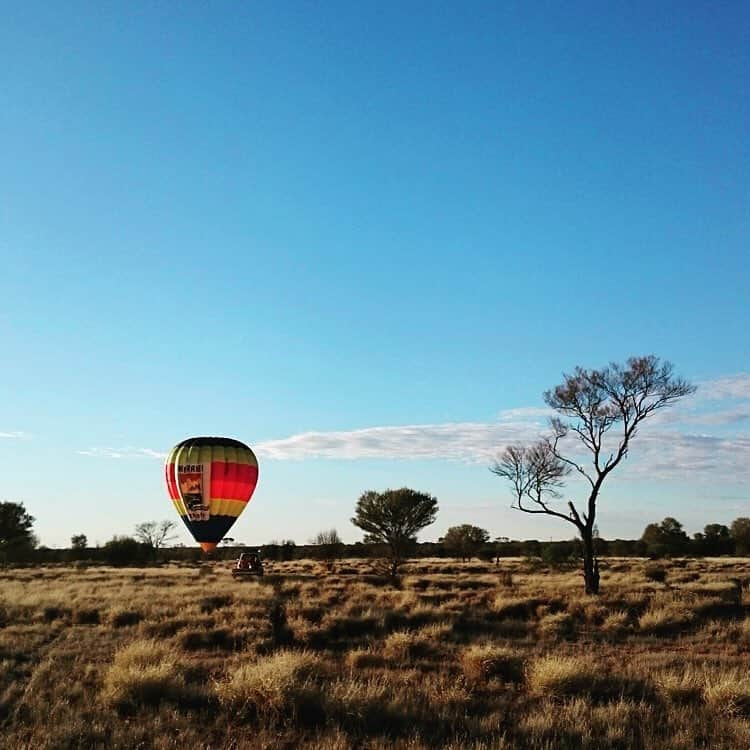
<point x="590" y="563"/>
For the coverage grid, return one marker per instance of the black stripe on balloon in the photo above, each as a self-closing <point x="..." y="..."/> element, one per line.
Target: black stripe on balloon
<point x="199" y="442"/>
<point x="213" y="530"/>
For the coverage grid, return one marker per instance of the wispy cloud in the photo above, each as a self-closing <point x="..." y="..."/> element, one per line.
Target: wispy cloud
<point x="723" y="401"/>
<point x="725" y="417"/>
<point x="667" y="447"/>
<point x="14" y="435"/>
<point x="526" y="412"/>
<point x="463" y="441"/>
<point x="730" y="386"/>
<point x="678" y="443"/>
<point x="673" y="455"/>
<point x="127" y="452"/>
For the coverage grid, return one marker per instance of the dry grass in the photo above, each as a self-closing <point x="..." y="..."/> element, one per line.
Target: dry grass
<point x="667" y="615"/>
<point x="681" y="685"/>
<point x="558" y="676"/>
<point x="484" y="662"/>
<point x="459" y="655"/>
<point x="280" y="687"/>
<point x="729" y="692"/>
<point x="144" y="673"/>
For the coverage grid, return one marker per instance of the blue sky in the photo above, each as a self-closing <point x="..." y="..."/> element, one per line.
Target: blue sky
<point x="294" y="222"/>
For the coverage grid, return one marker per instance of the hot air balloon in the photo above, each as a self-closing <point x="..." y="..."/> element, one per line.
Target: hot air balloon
<point x="210" y="481"/>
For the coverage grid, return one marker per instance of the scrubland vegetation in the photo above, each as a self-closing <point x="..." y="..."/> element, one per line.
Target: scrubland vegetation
<point x="455" y="655"/>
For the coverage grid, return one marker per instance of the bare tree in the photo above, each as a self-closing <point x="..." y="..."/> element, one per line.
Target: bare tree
<point x="601" y="410"/>
<point x="329" y="546"/>
<point x="155" y="533"/>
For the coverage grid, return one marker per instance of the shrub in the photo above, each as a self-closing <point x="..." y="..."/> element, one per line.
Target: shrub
<point x="350" y="626"/>
<point x="122" y="618"/>
<point x="363" y="658"/>
<point x="728" y="693"/>
<point x="666" y="617"/>
<point x="164" y="629"/>
<point x="556" y="553"/>
<point x="282" y="687"/>
<point x="684" y="686"/>
<point x="55" y="613"/>
<point x="561" y="676"/>
<point x="514" y="607"/>
<point x="559" y="625"/>
<point x="481" y="663"/>
<point x="143" y="673"/>
<point x="123" y="550"/>
<point x="86" y="616"/>
<point x="403" y="645"/>
<point x="220" y="638"/>
<point x="588" y="609"/>
<point x="615" y="624"/>
<point x="655" y="572"/>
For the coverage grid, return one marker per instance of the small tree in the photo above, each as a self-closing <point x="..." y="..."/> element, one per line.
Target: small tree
<point x="740" y="531"/>
<point x="601" y="410"/>
<point x="394" y="518"/>
<point x="124" y="550"/>
<point x="716" y="539"/>
<point x="328" y="546"/>
<point x="465" y="541"/>
<point x="155" y="534"/>
<point x="667" y="537"/>
<point x="16" y="537"/>
<point x="78" y="544"/>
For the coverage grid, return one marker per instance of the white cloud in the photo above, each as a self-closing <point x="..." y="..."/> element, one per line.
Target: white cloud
<point x="726" y="417"/>
<point x="526" y="412"/>
<point x="464" y="441"/>
<point x="666" y="447"/>
<point x="675" y="455"/>
<point x="730" y="386"/>
<point x="14" y="435"/>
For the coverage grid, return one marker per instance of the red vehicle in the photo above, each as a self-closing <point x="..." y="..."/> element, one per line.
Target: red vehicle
<point x="248" y="564"/>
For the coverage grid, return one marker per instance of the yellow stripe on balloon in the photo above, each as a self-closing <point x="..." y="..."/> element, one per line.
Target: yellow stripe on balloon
<point x="231" y="508"/>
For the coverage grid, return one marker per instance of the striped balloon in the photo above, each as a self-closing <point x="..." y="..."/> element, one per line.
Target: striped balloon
<point x="210" y="481"/>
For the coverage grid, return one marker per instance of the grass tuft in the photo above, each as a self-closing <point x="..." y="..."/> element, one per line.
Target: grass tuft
<point x="483" y="662"/>
<point x="143" y="673"/>
<point x="666" y="617"/>
<point x="279" y="688"/>
<point x="86" y="616"/>
<point x="561" y="676"/>
<point x="728" y="693"/>
<point x="122" y="618"/>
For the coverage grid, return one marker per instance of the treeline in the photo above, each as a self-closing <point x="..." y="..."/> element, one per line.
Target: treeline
<point x="664" y="539"/>
<point x="151" y="543"/>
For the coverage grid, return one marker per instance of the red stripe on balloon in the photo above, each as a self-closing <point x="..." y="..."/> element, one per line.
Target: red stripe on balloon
<point x="233" y="481"/>
<point x="171" y="481"/>
<point x="219" y="482"/>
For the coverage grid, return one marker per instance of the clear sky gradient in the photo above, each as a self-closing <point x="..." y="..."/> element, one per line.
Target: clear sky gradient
<point x="359" y="237"/>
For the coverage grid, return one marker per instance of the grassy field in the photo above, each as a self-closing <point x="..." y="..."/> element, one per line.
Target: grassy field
<point x="459" y="655"/>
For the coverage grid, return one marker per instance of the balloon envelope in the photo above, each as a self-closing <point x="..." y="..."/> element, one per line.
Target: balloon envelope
<point x="210" y="481"/>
